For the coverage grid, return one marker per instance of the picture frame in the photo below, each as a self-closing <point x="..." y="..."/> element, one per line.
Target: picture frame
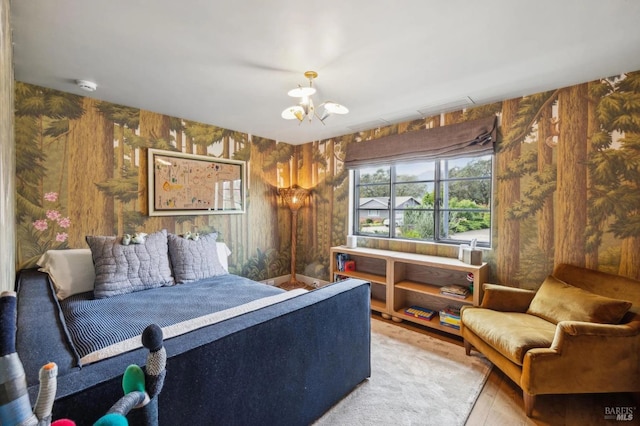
<point x="189" y="184"/>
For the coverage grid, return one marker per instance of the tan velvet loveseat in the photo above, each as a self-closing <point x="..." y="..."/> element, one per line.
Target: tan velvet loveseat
<point x="535" y="339"/>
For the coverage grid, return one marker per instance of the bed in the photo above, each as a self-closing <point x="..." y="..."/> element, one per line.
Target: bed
<point x="262" y="356"/>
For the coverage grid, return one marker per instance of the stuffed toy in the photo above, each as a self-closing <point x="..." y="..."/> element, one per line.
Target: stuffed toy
<point x="195" y="236"/>
<point x="137" y="238"/>
<point x="15" y="407"/>
<point x="141" y="388"/>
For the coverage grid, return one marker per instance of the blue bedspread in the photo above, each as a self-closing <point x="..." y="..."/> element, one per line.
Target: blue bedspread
<point x="96" y="324"/>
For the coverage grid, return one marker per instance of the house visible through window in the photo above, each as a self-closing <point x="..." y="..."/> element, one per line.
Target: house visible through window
<point x="444" y="200"/>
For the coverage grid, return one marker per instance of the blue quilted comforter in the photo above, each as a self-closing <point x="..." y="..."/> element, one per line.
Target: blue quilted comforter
<point x="95" y="324"/>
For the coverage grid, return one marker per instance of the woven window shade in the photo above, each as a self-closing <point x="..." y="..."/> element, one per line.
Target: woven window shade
<point x="471" y="138"/>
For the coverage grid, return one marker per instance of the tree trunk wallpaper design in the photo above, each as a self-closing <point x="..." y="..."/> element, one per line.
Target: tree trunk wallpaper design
<point x="508" y="194"/>
<point x="571" y="191"/>
<point x="91" y="158"/>
<point x="566" y="185"/>
<point x="545" y="163"/>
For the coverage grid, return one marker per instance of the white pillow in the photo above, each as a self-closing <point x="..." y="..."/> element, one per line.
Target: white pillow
<point x="223" y="255"/>
<point x="71" y="270"/>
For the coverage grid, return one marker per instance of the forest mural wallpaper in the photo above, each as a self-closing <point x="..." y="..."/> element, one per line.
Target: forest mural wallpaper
<point x="566" y="182"/>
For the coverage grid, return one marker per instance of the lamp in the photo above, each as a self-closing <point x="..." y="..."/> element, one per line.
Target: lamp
<point x="294" y="197"/>
<point x="306" y="108"/>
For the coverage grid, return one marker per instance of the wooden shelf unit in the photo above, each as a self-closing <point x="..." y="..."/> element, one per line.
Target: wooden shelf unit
<point x="399" y="280"/>
<point x="370" y="266"/>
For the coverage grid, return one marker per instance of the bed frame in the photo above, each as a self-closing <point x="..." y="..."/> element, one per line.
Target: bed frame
<point x="284" y="364"/>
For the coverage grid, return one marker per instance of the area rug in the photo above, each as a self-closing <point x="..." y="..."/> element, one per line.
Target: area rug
<point x="415" y="380"/>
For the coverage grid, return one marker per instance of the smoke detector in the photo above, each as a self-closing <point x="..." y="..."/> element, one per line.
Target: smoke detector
<point x="89" y="86"/>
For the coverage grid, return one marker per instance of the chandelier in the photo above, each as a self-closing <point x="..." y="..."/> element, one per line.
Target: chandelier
<point x="306" y="108"/>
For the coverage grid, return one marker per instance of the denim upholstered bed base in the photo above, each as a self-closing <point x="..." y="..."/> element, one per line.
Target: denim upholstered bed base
<point x="285" y="364"/>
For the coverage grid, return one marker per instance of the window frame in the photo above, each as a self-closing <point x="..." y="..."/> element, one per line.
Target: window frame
<point x="437" y="211"/>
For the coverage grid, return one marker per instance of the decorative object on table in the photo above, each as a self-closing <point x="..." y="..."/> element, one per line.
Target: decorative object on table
<point x="419" y="312"/>
<point x="294" y="197"/>
<point x="306" y="108"/>
<point x="470" y="255"/>
<point x="461" y="249"/>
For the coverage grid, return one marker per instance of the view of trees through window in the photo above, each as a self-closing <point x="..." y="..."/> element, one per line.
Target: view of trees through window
<point x="441" y="200"/>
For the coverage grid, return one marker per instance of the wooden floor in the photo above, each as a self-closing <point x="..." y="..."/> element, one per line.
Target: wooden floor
<point x="500" y="402"/>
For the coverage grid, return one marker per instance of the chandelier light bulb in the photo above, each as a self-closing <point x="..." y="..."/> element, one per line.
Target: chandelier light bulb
<point x="305" y="107"/>
<point x="301" y="92"/>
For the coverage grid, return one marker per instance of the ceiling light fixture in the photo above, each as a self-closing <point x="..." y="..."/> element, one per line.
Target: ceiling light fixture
<point x="306" y="108"/>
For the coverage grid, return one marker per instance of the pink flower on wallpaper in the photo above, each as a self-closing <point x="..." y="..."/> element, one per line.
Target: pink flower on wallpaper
<point x="40" y="225"/>
<point x="51" y="196"/>
<point x="53" y="214"/>
<point x="61" y="237"/>
<point x="64" y="222"/>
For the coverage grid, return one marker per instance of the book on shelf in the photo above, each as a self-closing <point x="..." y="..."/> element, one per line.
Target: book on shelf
<point x="450" y="317"/>
<point x="453" y="311"/>
<point x="454" y="290"/>
<point x="446" y="324"/>
<point x="341" y="259"/>
<point x="419" y="312"/>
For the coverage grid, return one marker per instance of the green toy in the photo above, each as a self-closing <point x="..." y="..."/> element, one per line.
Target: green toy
<point x="141" y="388"/>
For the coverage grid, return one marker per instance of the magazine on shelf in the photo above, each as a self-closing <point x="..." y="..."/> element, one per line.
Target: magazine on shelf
<point x="451" y="311"/>
<point x="457" y="296"/>
<point x="454" y="290"/>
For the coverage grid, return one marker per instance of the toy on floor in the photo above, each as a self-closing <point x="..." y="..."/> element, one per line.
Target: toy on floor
<point x="141" y="388"/>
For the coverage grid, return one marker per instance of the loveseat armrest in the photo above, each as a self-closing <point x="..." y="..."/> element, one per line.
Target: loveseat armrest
<point x="506" y="299"/>
<point x="579" y="328"/>
<point x="585" y="357"/>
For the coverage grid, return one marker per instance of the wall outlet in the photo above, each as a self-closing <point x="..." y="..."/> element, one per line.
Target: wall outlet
<point x="271" y="282"/>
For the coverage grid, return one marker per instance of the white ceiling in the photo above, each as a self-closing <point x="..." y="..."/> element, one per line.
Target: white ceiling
<point x="231" y="63"/>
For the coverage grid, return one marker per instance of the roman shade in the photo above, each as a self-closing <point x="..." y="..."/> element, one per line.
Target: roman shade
<point x="476" y="137"/>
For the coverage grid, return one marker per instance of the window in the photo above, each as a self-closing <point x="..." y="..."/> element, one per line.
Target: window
<point x="444" y="200"/>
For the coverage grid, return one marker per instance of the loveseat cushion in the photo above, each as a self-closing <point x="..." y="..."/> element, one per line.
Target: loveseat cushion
<point x="510" y="333"/>
<point x="558" y="301"/>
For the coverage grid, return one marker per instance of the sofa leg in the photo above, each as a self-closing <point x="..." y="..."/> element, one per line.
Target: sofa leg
<point x="529" y="400"/>
<point x="467" y="347"/>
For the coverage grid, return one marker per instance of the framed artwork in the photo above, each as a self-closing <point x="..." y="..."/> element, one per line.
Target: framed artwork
<point x="188" y="184"/>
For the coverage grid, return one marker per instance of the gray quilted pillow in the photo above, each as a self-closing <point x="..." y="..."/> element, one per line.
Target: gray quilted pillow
<point x="194" y="260"/>
<point x="124" y="269"/>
